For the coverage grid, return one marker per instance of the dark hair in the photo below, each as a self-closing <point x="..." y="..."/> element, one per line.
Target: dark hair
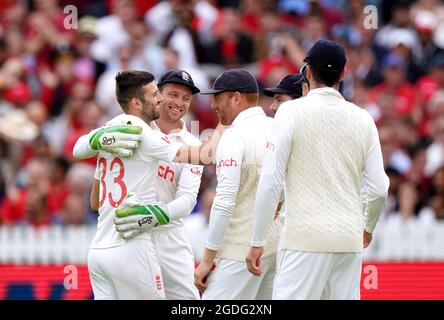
<point x="62" y="163"/>
<point x="129" y="85"/>
<point x="329" y="78"/>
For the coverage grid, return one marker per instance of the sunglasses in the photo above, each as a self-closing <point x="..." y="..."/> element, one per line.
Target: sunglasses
<point x="303" y="72"/>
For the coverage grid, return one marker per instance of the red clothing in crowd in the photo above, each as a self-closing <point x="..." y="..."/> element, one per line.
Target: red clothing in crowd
<point x="426" y="86"/>
<point x="69" y="146"/>
<point x="12" y="212"/>
<point x="56" y="198"/>
<point x="404" y="94"/>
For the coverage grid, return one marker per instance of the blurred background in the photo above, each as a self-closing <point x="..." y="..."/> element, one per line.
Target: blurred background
<point x="57" y="83"/>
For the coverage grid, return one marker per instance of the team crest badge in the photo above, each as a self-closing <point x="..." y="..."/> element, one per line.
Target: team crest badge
<point x="186" y="76"/>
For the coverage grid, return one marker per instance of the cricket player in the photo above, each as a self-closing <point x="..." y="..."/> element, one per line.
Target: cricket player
<point x="238" y="164"/>
<point x="324" y="147"/>
<point x="128" y="268"/>
<point x="288" y="88"/>
<point x="177" y="186"/>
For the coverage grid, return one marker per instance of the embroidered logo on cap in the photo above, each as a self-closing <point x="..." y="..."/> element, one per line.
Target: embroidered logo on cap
<point x="186" y="76"/>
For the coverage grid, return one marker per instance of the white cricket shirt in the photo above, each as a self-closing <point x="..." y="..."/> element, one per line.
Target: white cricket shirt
<point x="177" y="184"/>
<point x="239" y="157"/>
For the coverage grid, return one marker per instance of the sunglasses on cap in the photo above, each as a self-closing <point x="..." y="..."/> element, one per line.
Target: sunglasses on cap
<point x="303" y="72"/>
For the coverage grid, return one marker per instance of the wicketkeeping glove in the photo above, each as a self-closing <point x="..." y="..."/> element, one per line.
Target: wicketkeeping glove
<point x="120" y="140"/>
<point x="132" y="218"/>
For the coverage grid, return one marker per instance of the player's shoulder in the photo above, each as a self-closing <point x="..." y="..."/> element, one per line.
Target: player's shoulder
<point x="292" y="106"/>
<point x="125" y="119"/>
<point x="231" y="138"/>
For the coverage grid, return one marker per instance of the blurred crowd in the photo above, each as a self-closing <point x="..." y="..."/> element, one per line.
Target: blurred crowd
<point x="57" y="83"/>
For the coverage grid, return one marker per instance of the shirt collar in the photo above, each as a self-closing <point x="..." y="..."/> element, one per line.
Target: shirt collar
<point x="325" y="91"/>
<point x="247" y="113"/>
<point x="176" y="132"/>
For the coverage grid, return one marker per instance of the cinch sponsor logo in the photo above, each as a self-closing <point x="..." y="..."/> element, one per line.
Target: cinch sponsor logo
<point x="196" y="171"/>
<point x="227" y="163"/>
<point x="158" y="282"/>
<point x="165" y="172"/>
<point x="269" y="146"/>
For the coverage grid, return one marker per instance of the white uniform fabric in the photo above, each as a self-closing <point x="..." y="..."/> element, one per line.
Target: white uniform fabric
<point x="176" y="261"/>
<point x="127" y="272"/>
<point x="324" y="148"/>
<point x="238" y="165"/>
<point x="317" y="276"/>
<point x="118" y="177"/>
<point x="177" y="186"/>
<point x="137" y="175"/>
<point x="230" y="280"/>
<point x="239" y="158"/>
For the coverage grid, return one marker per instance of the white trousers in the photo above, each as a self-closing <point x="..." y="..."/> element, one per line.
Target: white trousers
<point x="176" y="262"/>
<point x="230" y="280"/>
<point x="126" y="272"/>
<point x="317" y="276"/>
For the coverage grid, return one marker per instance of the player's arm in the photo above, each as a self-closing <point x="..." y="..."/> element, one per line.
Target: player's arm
<point x="203" y="154"/>
<point x="186" y="194"/>
<point x="132" y="214"/>
<point x="270" y="187"/>
<point x="94" y="197"/>
<point x="377" y="184"/>
<point x="228" y="161"/>
<point x="120" y="140"/>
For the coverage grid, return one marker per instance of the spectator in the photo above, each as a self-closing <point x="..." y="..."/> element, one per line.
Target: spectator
<point x="406" y="214"/>
<point x="231" y="47"/>
<point x="112" y="31"/>
<point x="393" y="155"/>
<point x="74" y="212"/>
<point x="33" y="177"/>
<point x="58" y="190"/>
<point x="86" y="68"/>
<point x="394" y="74"/>
<point x="36" y="211"/>
<point x="435" y="152"/>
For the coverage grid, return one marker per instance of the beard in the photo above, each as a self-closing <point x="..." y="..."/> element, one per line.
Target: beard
<point x="150" y="112"/>
<point x="154" y="114"/>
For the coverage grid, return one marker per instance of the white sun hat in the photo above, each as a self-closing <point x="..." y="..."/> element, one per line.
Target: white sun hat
<point x="16" y="125"/>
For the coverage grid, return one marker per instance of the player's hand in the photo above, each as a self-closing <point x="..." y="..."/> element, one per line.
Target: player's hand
<point x="254" y="260"/>
<point x="120" y="140"/>
<point x="201" y="273"/>
<point x="133" y="218"/>
<point x="367" y="238"/>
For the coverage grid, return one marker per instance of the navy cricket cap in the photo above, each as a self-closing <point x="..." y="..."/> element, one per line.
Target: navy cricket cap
<point x="326" y="55"/>
<point x="234" y="80"/>
<point x="290" y="84"/>
<point x="180" y="77"/>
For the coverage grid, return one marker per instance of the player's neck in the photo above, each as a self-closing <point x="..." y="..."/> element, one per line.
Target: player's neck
<point x="316" y="85"/>
<point x="167" y="126"/>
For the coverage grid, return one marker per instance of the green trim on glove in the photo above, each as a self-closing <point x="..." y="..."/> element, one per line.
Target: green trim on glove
<point x="153" y="210"/>
<point x="94" y="140"/>
<point x="159" y="213"/>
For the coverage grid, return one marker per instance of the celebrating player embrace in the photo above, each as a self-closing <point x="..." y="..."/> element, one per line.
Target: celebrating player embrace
<point x="128" y="268"/>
